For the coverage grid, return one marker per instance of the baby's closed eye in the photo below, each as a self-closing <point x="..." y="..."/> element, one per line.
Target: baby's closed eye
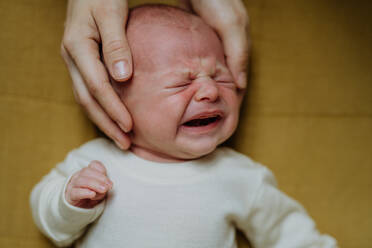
<point x="225" y="80"/>
<point x="179" y="84"/>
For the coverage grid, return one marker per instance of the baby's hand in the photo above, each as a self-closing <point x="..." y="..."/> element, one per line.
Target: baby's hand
<point x="88" y="186"/>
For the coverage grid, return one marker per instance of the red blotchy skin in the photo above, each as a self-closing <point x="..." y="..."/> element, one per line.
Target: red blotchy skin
<point x="179" y="73"/>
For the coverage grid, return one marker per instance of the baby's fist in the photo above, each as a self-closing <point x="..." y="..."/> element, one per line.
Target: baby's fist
<point x="88" y="186"/>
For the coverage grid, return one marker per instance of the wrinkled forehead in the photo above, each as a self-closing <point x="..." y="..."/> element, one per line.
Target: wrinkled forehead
<point x="156" y="47"/>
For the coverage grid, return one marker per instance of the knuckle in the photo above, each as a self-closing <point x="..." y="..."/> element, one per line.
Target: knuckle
<point x="94" y="87"/>
<point x="113" y="9"/>
<point x="68" y="41"/>
<point x="113" y="47"/>
<point x="75" y="176"/>
<point x="83" y="101"/>
<point x="98" y="166"/>
<point x="84" y="172"/>
<point x="63" y="51"/>
<point x="76" y="95"/>
<point x="104" y="10"/>
<point x="239" y="19"/>
<point x="78" y="182"/>
<point x="98" y="88"/>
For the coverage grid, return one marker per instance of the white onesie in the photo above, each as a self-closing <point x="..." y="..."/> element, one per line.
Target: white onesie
<point x="194" y="204"/>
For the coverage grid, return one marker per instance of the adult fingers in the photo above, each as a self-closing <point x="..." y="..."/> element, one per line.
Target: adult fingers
<point x="230" y="20"/>
<point x="86" y="57"/>
<point x="111" y="20"/>
<point x="83" y="96"/>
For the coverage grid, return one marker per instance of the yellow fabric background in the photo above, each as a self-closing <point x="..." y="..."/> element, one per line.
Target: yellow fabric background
<point x="307" y="114"/>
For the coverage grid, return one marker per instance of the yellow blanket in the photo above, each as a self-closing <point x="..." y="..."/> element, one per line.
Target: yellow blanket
<point x="307" y="113"/>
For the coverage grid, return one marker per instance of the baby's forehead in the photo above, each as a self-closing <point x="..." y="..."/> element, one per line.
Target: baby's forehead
<point x="166" y="37"/>
<point x="161" y="15"/>
<point x="159" y="45"/>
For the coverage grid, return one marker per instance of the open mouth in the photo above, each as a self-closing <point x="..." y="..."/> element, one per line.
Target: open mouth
<point x="200" y="122"/>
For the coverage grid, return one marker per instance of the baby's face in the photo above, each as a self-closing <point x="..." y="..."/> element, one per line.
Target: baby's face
<point x="182" y="96"/>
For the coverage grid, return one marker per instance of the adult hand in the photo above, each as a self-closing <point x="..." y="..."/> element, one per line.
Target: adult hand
<point x="90" y="23"/>
<point x="230" y="20"/>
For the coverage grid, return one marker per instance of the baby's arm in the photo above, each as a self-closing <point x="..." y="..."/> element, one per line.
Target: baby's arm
<point x="274" y="220"/>
<point x="69" y="198"/>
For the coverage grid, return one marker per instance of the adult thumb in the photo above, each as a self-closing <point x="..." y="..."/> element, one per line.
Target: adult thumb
<point x="115" y="48"/>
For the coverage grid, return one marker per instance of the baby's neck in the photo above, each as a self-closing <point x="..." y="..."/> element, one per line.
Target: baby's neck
<point x="154" y="156"/>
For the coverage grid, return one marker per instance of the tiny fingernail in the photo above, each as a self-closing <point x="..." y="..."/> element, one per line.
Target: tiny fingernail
<point x="121" y="69"/>
<point x="242" y="80"/>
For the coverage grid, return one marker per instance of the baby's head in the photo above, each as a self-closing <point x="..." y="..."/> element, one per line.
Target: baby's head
<point x="182" y="97"/>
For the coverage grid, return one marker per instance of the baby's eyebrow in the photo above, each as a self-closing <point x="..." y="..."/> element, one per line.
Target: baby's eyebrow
<point x="176" y="72"/>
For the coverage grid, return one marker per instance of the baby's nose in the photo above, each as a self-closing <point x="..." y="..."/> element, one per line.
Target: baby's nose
<point x="207" y="90"/>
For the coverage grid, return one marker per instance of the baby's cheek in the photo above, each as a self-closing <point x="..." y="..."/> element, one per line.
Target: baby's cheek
<point x="232" y="96"/>
<point x="175" y="106"/>
<point x="184" y="97"/>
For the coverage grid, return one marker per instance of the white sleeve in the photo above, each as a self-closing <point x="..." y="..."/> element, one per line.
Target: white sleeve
<point x="54" y="216"/>
<point x="276" y="221"/>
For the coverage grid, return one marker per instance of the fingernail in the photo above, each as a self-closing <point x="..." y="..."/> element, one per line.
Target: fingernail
<point x="242" y="80"/>
<point x="121" y="69"/>
<point x="123" y="128"/>
<point x="119" y="145"/>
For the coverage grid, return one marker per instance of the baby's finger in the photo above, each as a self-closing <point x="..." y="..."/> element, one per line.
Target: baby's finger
<point x="92" y="174"/>
<point x="77" y="194"/>
<point x="91" y="183"/>
<point x="98" y="197"/>
<point x="98" y="166"/>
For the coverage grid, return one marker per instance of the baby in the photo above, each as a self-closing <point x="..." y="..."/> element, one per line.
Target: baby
<point x="174" y="188"/>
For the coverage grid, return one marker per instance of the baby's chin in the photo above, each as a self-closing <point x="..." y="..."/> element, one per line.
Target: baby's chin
<point x="195" y="150"/>
<point x="189" y="154"/>
<point x="183" y="147"/>
<point x="178" y="153"/>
